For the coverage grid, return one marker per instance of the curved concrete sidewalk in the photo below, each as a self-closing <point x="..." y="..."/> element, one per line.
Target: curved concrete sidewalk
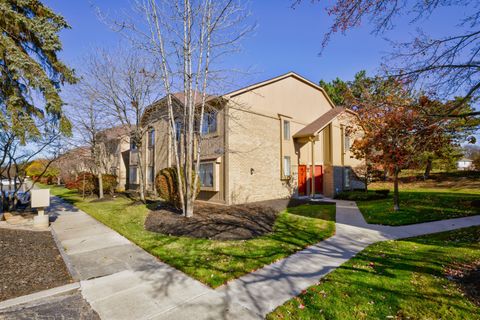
<point x="121" y="281"/>
<point x="265" y="289"/>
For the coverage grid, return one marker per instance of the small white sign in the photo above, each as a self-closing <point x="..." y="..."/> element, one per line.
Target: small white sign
<point x="40" y="198"/>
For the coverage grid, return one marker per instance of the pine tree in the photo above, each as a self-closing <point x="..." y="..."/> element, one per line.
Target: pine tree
<point x="31" y="74"/>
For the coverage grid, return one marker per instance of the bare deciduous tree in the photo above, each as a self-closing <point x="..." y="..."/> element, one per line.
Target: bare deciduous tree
<point x="88" y="121"/>
<point x="122" y="85"/>
<point x="187" y="39"/>
<point x="445" y="66"/>
<point x="16" y="156"/>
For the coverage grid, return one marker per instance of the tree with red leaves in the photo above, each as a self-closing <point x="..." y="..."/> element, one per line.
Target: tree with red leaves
<point x="395" y="126"/>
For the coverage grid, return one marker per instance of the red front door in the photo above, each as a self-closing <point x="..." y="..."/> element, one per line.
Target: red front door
<point x="318" y="179"/>
<point x="302" y="179"/>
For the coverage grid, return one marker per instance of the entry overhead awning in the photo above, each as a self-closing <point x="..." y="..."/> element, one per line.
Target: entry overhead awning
<point x="317" y="125"/>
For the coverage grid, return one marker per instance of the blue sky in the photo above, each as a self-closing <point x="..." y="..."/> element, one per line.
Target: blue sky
<point x="285" y="39"/>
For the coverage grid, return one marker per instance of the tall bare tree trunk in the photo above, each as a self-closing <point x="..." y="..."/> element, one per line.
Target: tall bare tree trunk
<point x="428" y="168"/>
<point x="100" y="185"/>
<point x="141" y="188"/>
<point x="83" y="189"/>
<point x="396" y="195"/>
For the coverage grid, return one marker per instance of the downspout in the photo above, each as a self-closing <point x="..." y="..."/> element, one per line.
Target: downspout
<point x="226" y="151"/>
<point x="312" y="171"/>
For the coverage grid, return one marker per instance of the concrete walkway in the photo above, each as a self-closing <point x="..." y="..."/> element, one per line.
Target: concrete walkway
<point x="121" y="281"/>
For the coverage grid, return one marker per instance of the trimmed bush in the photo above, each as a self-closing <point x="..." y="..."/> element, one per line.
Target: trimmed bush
<point x="166" y="183"/>
<point x="361" y="195"/>
<point x="109" y="183"/>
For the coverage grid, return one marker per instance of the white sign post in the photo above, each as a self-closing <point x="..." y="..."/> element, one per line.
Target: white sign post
<point x="40" y="199"/>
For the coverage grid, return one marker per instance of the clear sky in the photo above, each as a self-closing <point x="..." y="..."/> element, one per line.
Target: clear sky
<point x="285" y="39"/>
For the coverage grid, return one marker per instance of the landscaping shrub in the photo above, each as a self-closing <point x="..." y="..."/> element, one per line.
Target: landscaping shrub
<point x="71" y="184"/>
<point x="361" y="195"/>
<point x="166" y="183"/>
<point x="109" y="183"/>
<point x="86" y="182"/>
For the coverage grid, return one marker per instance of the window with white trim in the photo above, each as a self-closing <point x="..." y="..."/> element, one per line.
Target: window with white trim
<point x="346" y="178"/>
<point x="287" y="166"/>
<point x="205" y="173"/>
<point x="346" y="141"/>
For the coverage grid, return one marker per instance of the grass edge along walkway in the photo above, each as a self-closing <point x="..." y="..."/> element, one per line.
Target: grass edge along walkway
<point x="394" y="279"/>
<point x="419" y="205"/>
<point x="209" y="261"/>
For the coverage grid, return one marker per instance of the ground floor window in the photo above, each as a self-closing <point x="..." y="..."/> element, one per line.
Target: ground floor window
<point x="133" y="175"/>
<point x="287" y="166"/>
<point x="151" y="174"/>
<point x="206" y="174"/>
<point x="346" y="178"/>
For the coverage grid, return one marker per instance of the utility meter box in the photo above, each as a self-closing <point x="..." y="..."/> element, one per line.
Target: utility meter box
<point x="40" y="198"/>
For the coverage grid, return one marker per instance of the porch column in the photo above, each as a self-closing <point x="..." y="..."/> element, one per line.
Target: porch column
<point x="312" y="167"/>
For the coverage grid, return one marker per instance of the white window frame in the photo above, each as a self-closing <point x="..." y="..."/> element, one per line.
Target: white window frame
<point x="346" y="142"/>
<point x="287" y="166"/>
<point x="347" y="184"/>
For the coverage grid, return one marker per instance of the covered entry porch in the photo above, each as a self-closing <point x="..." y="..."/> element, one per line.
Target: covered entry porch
<point x="314" y="148"/>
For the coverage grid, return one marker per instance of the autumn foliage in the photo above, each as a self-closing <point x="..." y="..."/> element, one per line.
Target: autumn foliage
<point x="396" y="126"/>
<point x="166" y="183"/>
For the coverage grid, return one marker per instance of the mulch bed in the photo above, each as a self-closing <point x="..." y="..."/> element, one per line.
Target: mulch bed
<point x="29" y="262"/>
<point x="468" y="278"/>
<point x="216" y="222"/>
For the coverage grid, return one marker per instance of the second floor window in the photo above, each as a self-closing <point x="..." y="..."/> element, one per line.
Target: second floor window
<point x="178" y="130"/>
<point x="347" y="142"/>
<point x="286" y="130"/>
<point x="133" y="145"/>
<point x="209" y="122"/>
<point x="151" y="138"/>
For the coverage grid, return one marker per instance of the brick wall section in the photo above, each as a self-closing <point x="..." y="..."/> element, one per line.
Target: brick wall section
<point x="254" y="143"/>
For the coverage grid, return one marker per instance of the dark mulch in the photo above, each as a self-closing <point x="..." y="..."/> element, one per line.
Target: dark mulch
<point x="29" y="262"/>
<point x="212" y="221"/>
<point x="468" y="278"/>
<point x="218" y="222"/>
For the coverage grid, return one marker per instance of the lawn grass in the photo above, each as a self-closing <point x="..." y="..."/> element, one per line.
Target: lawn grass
<point x="210" y="261"/>
<point x="420" y="204"/>
<point x="394" y="280"/>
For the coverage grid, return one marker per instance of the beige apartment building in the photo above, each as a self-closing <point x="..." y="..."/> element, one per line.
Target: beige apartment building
<point x="278" y="138"/>
<point x="114" y="147"/>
